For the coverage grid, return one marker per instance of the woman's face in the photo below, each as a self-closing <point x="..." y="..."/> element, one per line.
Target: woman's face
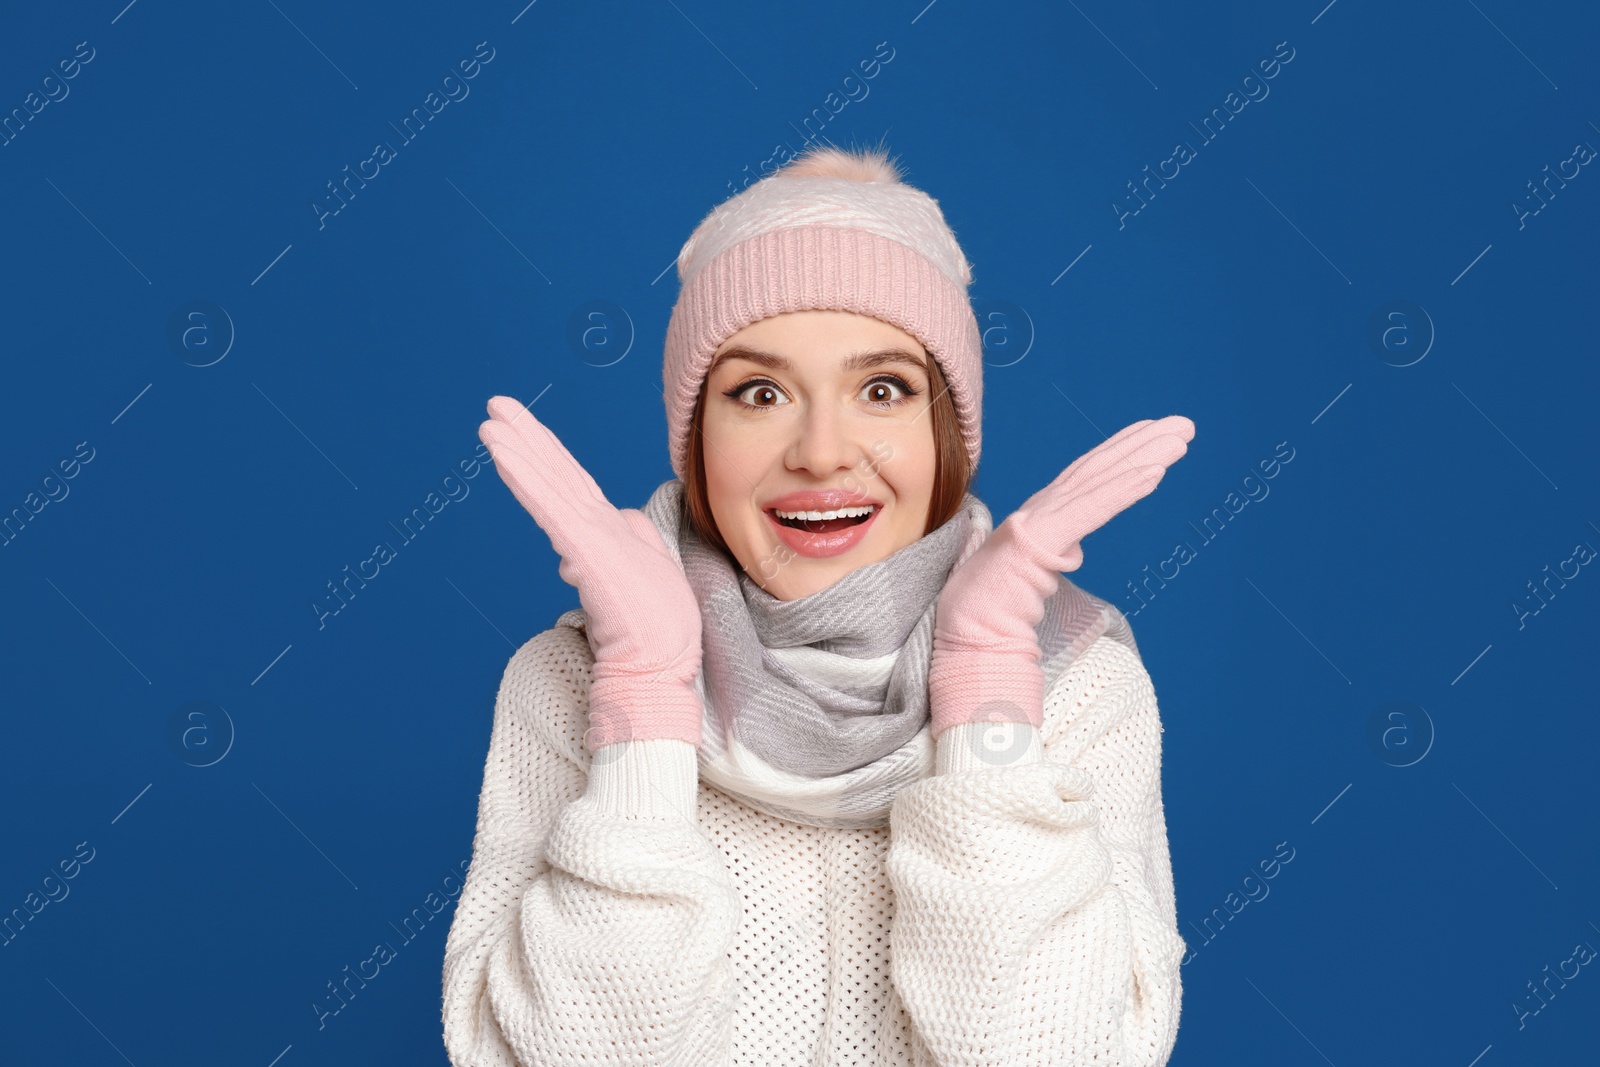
<point x="814" y="411"/>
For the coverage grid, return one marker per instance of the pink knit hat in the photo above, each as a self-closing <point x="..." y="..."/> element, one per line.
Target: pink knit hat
<point x="833" y="230"/>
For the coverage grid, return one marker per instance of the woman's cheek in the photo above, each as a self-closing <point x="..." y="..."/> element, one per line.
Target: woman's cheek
<point x="908" y="454"/>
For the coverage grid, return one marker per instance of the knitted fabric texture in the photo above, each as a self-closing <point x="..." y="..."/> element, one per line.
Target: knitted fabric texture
<point x="796" y="241"/>
<point x="816" y="710"/>
<point x="624" y="913"/>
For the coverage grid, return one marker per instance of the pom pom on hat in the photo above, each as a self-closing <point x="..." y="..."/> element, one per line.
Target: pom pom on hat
<point x="825" y="161"/>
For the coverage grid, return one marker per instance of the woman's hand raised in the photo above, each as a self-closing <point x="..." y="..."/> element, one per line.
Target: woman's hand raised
<point x="644" y="620"/>
<point x="985" y="652"/>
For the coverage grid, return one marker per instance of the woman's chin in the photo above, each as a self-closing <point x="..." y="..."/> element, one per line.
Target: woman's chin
<point x="802" y="576"/>
<point x="791" y="564"/>
<point x="796" y="586"/>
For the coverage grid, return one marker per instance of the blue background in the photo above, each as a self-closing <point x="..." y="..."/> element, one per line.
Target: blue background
<point x="1441" y="859"/>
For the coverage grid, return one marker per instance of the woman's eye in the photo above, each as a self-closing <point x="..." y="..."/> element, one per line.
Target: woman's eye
<point x="760" y="395"/>
<point x="887" y="391"/>
<point x="883" y="392"/>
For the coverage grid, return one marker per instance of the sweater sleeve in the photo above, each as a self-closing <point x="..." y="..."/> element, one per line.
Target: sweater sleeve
<point x="595" y="920"/>
<point x="1035" y="918"/>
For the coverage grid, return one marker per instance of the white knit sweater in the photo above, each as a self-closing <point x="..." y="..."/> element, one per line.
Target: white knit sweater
<point x="630" y="914"/>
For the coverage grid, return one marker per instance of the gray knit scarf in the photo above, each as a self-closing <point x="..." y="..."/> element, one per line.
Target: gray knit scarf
<point x="816" y="709"/>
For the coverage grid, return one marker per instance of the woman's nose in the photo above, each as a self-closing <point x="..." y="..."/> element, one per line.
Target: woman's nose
<point x="823" y="443"/>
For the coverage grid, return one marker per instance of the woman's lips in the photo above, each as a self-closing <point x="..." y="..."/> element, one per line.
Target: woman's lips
<point x="822" y="544"/>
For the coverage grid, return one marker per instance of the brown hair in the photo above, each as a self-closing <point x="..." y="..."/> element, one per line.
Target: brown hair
<point x="952" y="472"/>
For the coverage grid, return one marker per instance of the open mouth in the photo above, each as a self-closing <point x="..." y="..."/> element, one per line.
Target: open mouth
<point x="823" y="521"/>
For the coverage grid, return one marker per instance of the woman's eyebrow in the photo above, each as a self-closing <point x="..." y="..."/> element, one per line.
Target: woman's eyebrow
<point x="856" y="361"/>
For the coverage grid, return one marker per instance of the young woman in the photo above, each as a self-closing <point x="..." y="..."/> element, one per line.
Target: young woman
<point x="827" y="769"/>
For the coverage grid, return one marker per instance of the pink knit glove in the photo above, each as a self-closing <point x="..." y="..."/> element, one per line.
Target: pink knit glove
<point x="644" y="620"/>
<point x="985" y="661"/>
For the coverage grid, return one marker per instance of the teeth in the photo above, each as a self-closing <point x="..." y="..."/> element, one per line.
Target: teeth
<point x="819" y="516"/>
